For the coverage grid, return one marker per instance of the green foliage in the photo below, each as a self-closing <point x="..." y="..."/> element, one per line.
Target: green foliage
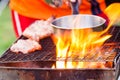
<point x="7" y="36"/>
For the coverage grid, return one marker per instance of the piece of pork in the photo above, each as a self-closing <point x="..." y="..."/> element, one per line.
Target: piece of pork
<point x="38" y="30"/>
<point x="25" y="46"/>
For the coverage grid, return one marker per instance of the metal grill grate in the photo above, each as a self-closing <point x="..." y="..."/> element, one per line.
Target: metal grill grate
<point x="48" y="51"/>
<point x="48" y="54"/>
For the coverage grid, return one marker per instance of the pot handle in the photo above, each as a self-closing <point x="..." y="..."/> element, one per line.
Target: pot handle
<point x="74" y="6"/>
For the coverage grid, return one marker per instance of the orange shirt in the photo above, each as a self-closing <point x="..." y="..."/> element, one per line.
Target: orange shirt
<point x="39" y="9"/>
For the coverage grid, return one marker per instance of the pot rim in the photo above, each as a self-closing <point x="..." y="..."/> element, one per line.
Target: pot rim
<point x="89" y="15"/>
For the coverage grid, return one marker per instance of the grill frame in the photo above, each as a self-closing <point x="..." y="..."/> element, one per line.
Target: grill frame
<point x="7" y="65"/>
<point x="56" y="74"/>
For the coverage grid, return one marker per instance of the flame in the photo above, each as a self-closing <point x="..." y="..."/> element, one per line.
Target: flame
<point x="81" y="43"/>
<point x="113" y="13"/>
<point x="78" y="44"/>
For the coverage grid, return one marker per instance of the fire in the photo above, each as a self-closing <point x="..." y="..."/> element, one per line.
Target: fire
<point x="113" y="13"/>
<point x="83" y="43"/>
<point x="78" y="44"/>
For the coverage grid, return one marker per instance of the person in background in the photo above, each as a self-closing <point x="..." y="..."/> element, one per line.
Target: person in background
<point x="25" y="12"/>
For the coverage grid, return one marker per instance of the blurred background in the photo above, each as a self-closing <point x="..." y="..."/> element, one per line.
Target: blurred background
<point x="7" y="36"/>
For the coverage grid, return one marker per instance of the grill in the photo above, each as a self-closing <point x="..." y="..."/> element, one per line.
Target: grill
<point x="37" y="65"/>
<point x="48" y="54"/>
<point x="48" y="51"/>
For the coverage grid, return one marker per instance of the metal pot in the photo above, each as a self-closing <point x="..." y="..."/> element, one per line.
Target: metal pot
<point x="80" y="21"/>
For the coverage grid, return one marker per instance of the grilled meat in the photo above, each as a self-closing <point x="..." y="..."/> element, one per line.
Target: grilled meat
<point x="25" y="46"/>
<point x="38" y="30"/>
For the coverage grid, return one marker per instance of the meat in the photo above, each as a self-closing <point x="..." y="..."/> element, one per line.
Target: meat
<point x="38" y="30"/>
<point x="25" y="46"/>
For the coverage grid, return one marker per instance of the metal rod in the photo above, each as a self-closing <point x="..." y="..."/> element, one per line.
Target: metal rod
<point x="74" y="6"/>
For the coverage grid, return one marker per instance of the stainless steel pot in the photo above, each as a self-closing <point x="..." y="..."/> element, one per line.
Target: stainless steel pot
<point x="80" y="21"/>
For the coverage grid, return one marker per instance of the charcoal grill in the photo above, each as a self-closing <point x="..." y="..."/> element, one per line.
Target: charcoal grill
<point x="37" y="65"/>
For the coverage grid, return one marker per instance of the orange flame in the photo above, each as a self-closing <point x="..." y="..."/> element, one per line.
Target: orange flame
<point x="113" y="13"/>
<point x="80" y="43"/>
